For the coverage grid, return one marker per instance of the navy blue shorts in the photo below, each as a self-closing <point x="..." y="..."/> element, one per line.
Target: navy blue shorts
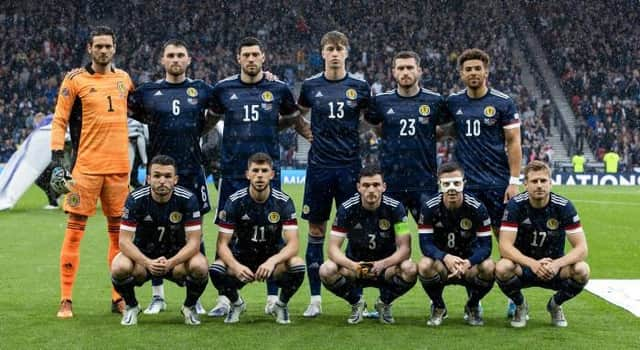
<point x="323" y="186"/>
<point x="493" y="199"/>
<point x="412" y="200"/>
<point x="529" y="279"/>
<point x="197" y="184"/>
<point x="227" y="187"/>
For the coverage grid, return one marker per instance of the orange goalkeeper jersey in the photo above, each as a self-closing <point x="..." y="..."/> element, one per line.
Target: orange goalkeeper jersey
<point x="94" y="106"/>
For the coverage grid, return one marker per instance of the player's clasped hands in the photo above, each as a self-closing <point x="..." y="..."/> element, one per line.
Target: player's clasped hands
<point x="544" y="269"/>
<point x="158" y="266"/>
<point x="455" y="265"/>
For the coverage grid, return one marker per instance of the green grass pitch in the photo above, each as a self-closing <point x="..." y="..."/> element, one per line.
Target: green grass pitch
<point x="31" y="237"/>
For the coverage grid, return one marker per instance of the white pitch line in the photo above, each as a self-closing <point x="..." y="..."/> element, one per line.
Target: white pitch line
<point x="605" y="202"/>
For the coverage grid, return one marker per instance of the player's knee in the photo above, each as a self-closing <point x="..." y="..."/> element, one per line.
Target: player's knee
<point x="328" y="271"/>
<point x="408" y="270"/>
<point x="121" y="266"/>
<point x="487" y="267"/>
<point x="580" y="272"/>
<point x="505" y="269"/>
<point x="78" y="217"/>
<point x="296" y="260"/>
<point x="426" y="266"/>
<point x="198" y="266"/>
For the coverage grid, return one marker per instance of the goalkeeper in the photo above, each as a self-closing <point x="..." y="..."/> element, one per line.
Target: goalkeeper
<point x="378" y="250"/>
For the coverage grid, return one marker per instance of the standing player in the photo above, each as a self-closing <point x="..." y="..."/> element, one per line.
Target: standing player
<point x="93" y="102"/>
<point x="379" y="249"/>
<point x="336" y="99"/>
<point x="532" y="238"/>
<point x="174" y="109"/>
<point x="408" y="117"/>
<point x="455" y="239"/>
<point x="487" y="124"/>
<point x="259" y="217"/>
<point x="251" y="106"/>
<point x="160" y="236"/>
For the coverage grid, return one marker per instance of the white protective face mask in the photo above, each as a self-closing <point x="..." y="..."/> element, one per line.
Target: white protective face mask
<point x="451" y="183"/>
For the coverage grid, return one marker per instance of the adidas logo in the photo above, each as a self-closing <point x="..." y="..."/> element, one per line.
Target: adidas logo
<point x="148" y="218"/>
<point x="319" y="94"/>
<point x="92" y="90"/>
<point x="390" y="111"/>
<point x="459" y="112"/>
<point x="158" y="93"/>
<point x="233" y="97"/>
<point x="439" y="224"/>
<point x="527" y="221"/>
<point x="357" y="227"/>
<point x="245" y="217"/>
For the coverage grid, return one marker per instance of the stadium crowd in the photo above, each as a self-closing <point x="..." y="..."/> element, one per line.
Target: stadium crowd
<point x="43" y="42"/>
<point x="600" y="74"/>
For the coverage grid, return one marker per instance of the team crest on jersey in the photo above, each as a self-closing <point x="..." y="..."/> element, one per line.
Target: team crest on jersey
<point x="267" y="96"/>
<point x="553" y="224"/>
<point x="384" y="224"/>
<point x="424" y="110"/>
<point x="489" y="111"/>
<point x="73" y="199"/>
<point x="222" y="215"/>
<point x="465" y="224"/>
<point x="120" y="85"/>
<point x="192" y="92"/>
<point x="175" y="217"/>
<point x="305" y="209"/>
<point x="352" y="94"/>
<point x="273" y="217"/>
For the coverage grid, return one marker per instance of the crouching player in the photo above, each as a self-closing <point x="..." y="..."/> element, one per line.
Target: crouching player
<point x="534" y="228"/>
<point x="160" y="237"/>
<point x="249" y="245"/>
<point x="455" y="239"/>
<point x="378" y="251"/>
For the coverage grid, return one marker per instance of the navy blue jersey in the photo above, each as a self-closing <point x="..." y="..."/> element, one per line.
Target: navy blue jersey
<point x="336" y="106"/>
<point x="175" y="116"/>
<point x="257" y="226"/>
<point x="480" y="142"/>
<point x="371" y="234"/>
<point x="251" y="113"/>
<point x="408" y="153"/>
<point x="455" y="231"/>
<point x="540" y="232"/>
<point x="160" y="228"/>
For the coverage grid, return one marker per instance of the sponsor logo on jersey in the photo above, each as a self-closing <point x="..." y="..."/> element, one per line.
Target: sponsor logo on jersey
<point x="175" y="217"/>
<point x="465" y="224"/>
<point x="267" y="96"/>
<point x="73" y="199"/>
<point x="351" y="94"/>
<point x="553" y="224"/>
<point x="489" y="111"/>
<point x="424" y="110"/>
<point x="192" y="92"/>
<point x="305" y="209"/>
<point x="273" y="217"/>
<point x="222" y="215"/>
<point x="384" y="224"/>
<point x="120" y="86"/>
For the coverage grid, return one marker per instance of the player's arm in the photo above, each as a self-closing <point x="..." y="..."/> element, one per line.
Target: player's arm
<point x="514" y="156"/>
<point x="211" y="118"/>
<point x="508" y="233"/>
<point x="335" y="252"/>
<point x="131" y="251"/>
<point x="193" y="235"/>
<point x="214" y="110"/>
<point x="66" y="98"/>
<point x="301" y="123"/>
<point x="576" y="237"/>
<point x="225" y="234"/>
<point x="290" y="236"/>
<point x="402" y="253"/>
<point x="482" y="245"/>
